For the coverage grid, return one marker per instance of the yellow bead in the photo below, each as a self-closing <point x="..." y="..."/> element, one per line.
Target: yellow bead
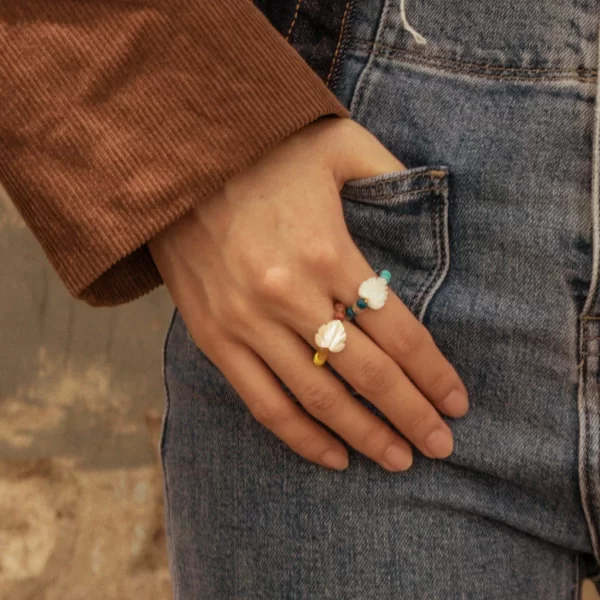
<point x="320" y="357"/>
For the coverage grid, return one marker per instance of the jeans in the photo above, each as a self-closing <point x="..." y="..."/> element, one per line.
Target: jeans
<point x="493" y="239"/>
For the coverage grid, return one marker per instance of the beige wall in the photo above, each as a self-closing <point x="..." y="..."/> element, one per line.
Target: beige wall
<point x="80" y="404"/>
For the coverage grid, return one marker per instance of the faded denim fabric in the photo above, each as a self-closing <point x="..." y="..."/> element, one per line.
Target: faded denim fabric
<point x="493" y="238"/>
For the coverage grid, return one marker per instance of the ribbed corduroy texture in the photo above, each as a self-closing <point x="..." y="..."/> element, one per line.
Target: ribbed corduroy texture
<point x="116" y="117"/>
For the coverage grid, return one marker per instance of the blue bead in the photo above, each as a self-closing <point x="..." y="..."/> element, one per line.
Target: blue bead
<point x="350" y="313"/>
<point x="385" y="275"/>
<point x="361" y="303"/>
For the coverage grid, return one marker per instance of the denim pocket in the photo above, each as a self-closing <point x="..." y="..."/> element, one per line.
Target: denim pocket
<point x="399" y="221"/>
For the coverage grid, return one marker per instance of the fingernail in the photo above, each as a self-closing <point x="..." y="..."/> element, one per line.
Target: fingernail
<point x="455" y="404"/>
<point x="397" y="457"/>
<point x="334" y="460"/>
<point x="439" y="443"/>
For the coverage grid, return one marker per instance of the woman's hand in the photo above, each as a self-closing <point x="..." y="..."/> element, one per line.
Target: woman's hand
<point x="255" y="271"/>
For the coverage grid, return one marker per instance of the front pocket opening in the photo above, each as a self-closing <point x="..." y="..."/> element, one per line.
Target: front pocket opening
<point x="397" y="186"/>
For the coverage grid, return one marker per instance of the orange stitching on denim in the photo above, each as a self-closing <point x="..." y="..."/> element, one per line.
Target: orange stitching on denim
<point x="439" y="59"/>
<point x="287" y="37"/>
<point x="337" y="48"/>
<point x="435" y="174"/>
<point x="470" y="64"/>
<point x="389" y="196"/>
<point x="582" y="76"/>
<point x="428" y="174"/>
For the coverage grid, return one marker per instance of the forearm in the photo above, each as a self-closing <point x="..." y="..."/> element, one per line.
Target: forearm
<point x="116" y="119"/>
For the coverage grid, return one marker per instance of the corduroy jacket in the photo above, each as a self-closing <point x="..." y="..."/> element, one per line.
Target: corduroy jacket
<point x="117" y="117"/>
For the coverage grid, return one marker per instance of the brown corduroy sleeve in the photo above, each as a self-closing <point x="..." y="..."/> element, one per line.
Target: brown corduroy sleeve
<point x="116" y="117"/>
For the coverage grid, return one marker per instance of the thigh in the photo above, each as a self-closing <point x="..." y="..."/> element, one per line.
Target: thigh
<point x="490" y="235"/>
<point x="249" y="519"/>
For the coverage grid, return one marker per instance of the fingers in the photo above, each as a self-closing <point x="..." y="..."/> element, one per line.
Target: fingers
<point x="377" y="377"/>
<point x="327" y="400"/>
<point x="401" y="336"/>
<point x="270" y="406"/>
<point x="374" y="375"/>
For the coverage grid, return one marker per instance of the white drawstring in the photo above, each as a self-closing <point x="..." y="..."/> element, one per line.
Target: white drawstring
<point x="418" y="37"/>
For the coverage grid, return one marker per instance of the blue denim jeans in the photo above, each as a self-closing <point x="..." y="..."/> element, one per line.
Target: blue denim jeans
<point x="493" y="237"/>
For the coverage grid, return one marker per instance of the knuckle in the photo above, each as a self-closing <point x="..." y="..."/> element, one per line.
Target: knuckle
<point x="307" y="445"/>
<point x="266" y="413"/>
<point x="439" y="383"/>
<point x="325" y="255"/>
<point x="203" y="333"/>
<point x="238" y="310"/>
<point x="319" y="399"/>
<point x="274" y="283"/>
<point x="420" y="422"/>
<point x="373" y="377"/>
<point x="376" y="440"/>
<point x="410" y="338"/>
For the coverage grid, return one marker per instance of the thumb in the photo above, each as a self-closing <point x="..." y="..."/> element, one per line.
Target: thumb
<point x="361" y="155"/>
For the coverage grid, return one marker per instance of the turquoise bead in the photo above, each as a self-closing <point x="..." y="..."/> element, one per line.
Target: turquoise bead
<point x="361" y="303"/>
<point x="385" y="275"/>
<point x="350" y="313"/>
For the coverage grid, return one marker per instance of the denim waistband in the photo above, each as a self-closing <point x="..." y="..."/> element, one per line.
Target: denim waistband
<point x="515" y="39"/>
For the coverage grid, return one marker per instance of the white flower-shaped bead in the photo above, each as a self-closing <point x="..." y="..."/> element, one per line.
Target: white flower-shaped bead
<point x="375" y="291"/>
<point x="331" y="336"/>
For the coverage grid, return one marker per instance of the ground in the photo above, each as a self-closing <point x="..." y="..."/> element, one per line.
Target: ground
<point x="81" y="400"/>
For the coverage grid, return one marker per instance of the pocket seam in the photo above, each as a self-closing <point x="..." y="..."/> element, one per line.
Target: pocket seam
<point x="411" y="182"/>
<point x="430" y="174"/>
<point x="438" y="275"/>
<point x="435" y="188"/>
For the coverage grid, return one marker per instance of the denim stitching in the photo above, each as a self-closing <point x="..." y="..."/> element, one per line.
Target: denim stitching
<point x="337" y="48"/>
<point x="444" y="243"/>
<point x="287" y="37"/>
<point x="583" y="76"/>
<point x="396" y="195"/>
<point x="429" y="285"/>
<point x="425" y="285"/>
<point x="343" y="47"/>
<point x="587" y="408"/>
<point x="433" y="174"/>
<point x="362" y="81"/>
<point x="585" y="482"/>
<point x="488" y="66"/>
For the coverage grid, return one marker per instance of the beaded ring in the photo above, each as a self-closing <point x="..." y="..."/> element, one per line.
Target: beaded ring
<point x="330" y="337"/>
<point x="372" y="294"/>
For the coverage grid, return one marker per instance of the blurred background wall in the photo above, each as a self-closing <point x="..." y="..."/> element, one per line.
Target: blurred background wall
<point x="81" y="401"/>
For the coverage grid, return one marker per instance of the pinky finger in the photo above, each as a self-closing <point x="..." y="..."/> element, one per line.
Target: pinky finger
<point x="272" y="408"/>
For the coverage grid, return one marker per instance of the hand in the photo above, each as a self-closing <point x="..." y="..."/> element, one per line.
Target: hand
<point x="256" y="269"/>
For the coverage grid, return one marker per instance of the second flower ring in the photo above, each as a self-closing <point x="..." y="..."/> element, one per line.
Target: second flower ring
<point x="373" y="293"/>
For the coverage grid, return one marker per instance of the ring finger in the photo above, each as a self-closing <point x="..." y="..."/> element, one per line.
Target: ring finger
<point x="324" y="397"/>
<point x="378" y="378"/>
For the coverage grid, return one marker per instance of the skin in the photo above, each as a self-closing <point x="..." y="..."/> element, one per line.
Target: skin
<point x="256" y="269"/>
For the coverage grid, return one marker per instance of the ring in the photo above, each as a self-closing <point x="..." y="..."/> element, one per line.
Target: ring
<point x="330" y="337"/>
<point x="372" y="293"/>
